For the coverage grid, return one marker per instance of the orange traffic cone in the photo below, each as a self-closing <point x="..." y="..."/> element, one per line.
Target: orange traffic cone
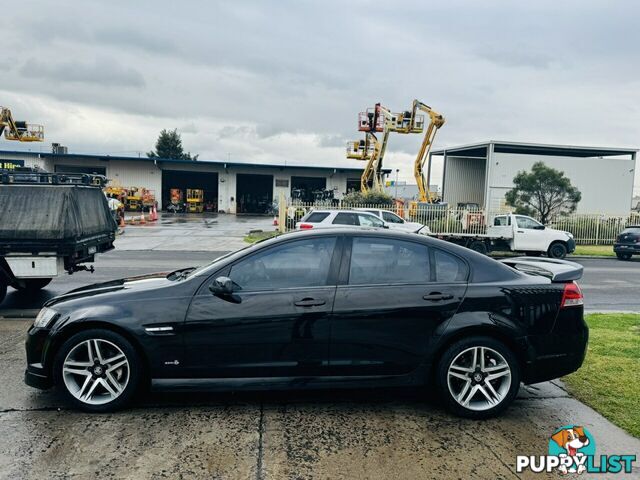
<point x="275" y="221"/>
<point x="154" y="214"/>
<point x="142" y="219"/>
<point x="121" y="224"/>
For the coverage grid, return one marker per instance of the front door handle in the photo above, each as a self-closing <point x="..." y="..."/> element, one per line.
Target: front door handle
<point x="309" y="302"/>
<point x="437" y="296"/>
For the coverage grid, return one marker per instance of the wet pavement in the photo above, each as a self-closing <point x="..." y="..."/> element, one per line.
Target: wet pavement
<point x="192" y="232"/>
<point x="335" y="434"/>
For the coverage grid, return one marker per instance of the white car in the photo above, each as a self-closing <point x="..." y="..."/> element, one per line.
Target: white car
<point x="395" y="222"/>
<point x="345" y="218"/>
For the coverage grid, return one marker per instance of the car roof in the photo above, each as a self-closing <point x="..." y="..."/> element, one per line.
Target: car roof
<point x="338" y="210"/>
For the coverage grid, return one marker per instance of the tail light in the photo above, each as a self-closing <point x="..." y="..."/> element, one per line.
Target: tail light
<point x="572" y="296"/>
<point x="305" y="226"/>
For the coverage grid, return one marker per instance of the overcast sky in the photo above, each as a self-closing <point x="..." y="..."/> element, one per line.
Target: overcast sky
<point x="284" y="79"/>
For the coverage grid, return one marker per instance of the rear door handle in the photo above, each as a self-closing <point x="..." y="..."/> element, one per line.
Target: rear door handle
<point x="309" y="302"/>
<point x="437" y="296"/>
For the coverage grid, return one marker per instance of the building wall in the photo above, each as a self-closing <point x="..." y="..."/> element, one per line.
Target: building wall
<point x="149" y="175"/>
<point x="464" y="180"/>
<point x="606" y="184"/>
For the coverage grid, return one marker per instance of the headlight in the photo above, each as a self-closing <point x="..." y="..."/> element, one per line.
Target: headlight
<point x="44" y="317"/>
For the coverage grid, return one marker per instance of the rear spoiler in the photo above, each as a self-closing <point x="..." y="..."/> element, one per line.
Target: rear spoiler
<point x="554" y="269"/>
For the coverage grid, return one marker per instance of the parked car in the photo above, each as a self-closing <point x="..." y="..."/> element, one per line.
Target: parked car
<point x="628" y="243"/>
<point x="395" y="222"/>
<point x="328" y="218"/>
<point x="321" y="308"/>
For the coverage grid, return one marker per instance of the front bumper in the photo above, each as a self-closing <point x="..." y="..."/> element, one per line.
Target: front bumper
<point x="632" y="248"/>
<point x="37" y="374"/>
<point x="571" y="245"/>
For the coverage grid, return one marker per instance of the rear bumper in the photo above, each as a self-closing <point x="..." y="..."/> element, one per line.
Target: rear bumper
<point x="558" y="353"/>
<point x="632" y="248"/>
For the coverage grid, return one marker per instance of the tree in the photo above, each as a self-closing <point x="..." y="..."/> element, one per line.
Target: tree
<point x="369" y="198"/>
<point x="169" y="145"/>
<point x="544" y="192"/>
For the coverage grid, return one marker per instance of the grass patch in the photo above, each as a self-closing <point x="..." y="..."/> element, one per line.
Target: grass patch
<point x="609" y="380"/>
<point x="596" y="250"/>
<point x="254" y="237"/>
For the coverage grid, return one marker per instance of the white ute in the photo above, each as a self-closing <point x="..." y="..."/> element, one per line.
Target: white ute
<point x="516" y="233"/>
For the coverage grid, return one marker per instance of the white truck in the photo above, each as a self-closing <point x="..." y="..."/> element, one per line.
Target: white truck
<point x="515" y="233"/>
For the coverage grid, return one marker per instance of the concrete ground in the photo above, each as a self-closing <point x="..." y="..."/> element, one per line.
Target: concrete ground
<point x="192" y="232"/>
<point x="322" y="434"/>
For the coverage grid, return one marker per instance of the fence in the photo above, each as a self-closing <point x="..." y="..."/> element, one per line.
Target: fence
<point x="587" y="229"/>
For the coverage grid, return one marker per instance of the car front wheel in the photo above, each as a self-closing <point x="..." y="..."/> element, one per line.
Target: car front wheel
<point x="623" y="256"/>
<point x="97" y="370"/>
<point x="557" y="250"/>
<point x="478" y="377"/>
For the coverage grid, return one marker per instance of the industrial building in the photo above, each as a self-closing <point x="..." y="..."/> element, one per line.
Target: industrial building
<point x="483" y="172"/>
<point x="231" y="187"/>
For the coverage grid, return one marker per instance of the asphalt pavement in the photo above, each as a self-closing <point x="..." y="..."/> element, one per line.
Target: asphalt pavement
<point x="608" y="284"/>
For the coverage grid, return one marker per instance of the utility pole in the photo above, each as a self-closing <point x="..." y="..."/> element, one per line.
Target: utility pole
<point x="396" y="184"/>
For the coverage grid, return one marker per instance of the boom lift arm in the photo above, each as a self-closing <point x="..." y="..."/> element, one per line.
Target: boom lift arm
<point x="19" y="130"/>
<point x="435" y="122"/>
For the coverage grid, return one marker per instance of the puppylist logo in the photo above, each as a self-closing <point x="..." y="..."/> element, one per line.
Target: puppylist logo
<point x="572" y="449"/>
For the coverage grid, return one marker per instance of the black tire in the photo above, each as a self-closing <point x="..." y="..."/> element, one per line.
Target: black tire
<point x="134" y="374"/>
<point x="3" y="290"/>
<point x="457" y="349"/>
<point x="33" y="284"/>
<point x="479" y="246"/>
<point x="623" y="256"/>
<point x="557" y="250"/>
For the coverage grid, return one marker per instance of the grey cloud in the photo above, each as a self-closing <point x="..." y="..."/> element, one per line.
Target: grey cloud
<point x="103" y="71"/>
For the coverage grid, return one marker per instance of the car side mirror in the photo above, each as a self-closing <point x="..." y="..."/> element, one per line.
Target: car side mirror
<point x="222" y="286"/>
<point x="540" y="227"/>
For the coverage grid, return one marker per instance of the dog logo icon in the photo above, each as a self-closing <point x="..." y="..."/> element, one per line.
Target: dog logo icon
<point x="572" y="444"/>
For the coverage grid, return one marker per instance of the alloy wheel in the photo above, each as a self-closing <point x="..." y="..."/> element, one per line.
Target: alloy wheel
<point x="479" y="378"/>
<point x="96" y="371"/>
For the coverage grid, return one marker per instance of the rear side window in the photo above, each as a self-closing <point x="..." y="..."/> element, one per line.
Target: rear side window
<point x="317" y="217"/>
<point x="449" y="268"/>
<point x="344" y="218"/>
<point x="388" y="261"/>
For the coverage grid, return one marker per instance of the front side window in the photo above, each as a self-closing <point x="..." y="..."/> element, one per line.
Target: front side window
<point x="388" y="261"/>
<point x="304" y="263"/>
<point x="367" y="220"/>
<point x="527" y="222"/>
<point x="391" y="218"/>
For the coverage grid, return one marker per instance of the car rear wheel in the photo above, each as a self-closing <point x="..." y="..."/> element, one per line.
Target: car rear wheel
<point x="97" y="370"/>
<point x="478" y="377"/>
<point x="33" y="284"/>
<point x="623" y="256"/>
<point x="557" y="250"/>
<point x="3" y="290"/>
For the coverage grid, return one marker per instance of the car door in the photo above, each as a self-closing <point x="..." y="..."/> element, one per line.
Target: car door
<point x="393" y="297"/>
<point x="276" y="321"/>
<point x="529" y="235"/>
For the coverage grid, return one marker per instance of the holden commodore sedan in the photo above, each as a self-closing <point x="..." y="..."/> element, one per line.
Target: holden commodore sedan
<point x="314" y="309"/>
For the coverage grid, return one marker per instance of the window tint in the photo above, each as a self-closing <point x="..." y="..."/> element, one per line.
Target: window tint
<point x="391" y="217"/>
<point x="304" y="263"/>
<point x="367" y="220"/>
<point x="344" y="218"/>
<point x="377" y="260"/>
<point x="526" y="222"/>
<point x="316" y="217"/>
<point x="449" y="268"/>
<point x="633" y="230"/>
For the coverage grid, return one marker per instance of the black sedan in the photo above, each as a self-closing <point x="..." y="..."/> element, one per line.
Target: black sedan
<point x="326" y="308"/>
